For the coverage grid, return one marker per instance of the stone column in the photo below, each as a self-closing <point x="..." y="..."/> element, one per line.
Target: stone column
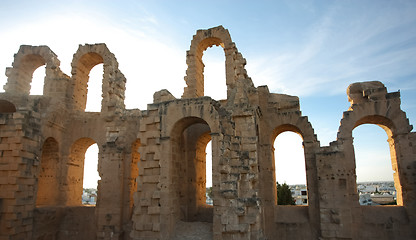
<point x="109" y="208"/>
<point x="148" y="205"/>
<point x="19" y="161"/>
<point x="336" y="192"/>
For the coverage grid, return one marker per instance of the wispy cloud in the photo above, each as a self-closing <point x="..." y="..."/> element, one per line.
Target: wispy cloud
<point x="340" y="49"/>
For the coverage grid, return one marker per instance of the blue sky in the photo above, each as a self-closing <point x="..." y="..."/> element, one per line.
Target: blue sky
<point x="311" y="49"/>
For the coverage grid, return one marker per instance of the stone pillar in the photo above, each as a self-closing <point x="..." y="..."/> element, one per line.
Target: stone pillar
<point x="402" y="148"/>
<point x="109" y="208"/>
<point x="19" y="150"/>
<point x="193" y="76"/>
<point x="238" y="208"/>
<point x="113" y="91"/>
<point x="148" y="205"/>
<point x="337" y="194"/>
<point x="410" y="166"/>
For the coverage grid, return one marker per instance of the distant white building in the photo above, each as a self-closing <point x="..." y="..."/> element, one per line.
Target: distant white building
<point x="365" y="199"/>
<point x="376" y="193"/>
<point x="382" y="198"/>
<point x="89" y="197"/>
<point x="300" y="194"/>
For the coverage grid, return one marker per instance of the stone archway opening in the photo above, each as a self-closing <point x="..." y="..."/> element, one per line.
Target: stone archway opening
<point x="203" y="163"/>
<point x="190" y="138"/>
<point x="94" y="88"/>
<point x="377" y="177"/>
<point x="75" y="171"/>
<point x="234" y="62"/>
<point x="213" y="61"/>
<point x="208" y="174"/>
<point x="38" y="81"/>
<point x="29" y="69"/>
<point x="289" y="164"/>
<point x="90" y="176"/>
<point x="82" y="71"/>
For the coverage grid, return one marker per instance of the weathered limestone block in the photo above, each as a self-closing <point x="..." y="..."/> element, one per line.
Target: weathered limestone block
<point x="365" y="91"/>
<point x="162" y="96"/>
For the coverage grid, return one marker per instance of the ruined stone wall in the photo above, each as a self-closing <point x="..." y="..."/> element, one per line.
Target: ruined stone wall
<point x="152" y="162"/>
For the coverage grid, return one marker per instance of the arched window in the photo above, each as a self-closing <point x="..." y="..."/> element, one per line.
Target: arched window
<point x="82" y="168"/>
<point x="94" y="89"/>
<point x="375" y="181"/>
<point x="87" y="80"/>
<point x="22" y="73"/>
<point x="290" y="168"/>
<point x="91" y="176"/>
<point x="38" y="81"/>
<point x="214" y="73"/>
<point x="234" y="62"/>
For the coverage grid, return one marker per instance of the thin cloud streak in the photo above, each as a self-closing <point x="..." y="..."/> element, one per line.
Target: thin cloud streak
<point x="333" y="56"/>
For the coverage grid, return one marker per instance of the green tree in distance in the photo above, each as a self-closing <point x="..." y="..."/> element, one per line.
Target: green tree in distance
<point x="284" y="195"/>
<point x="209" y="192"/>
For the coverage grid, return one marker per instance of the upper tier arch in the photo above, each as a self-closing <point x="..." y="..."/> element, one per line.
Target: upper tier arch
<point x="234" y="61"/>
<point x="113" y="85"/>
<point x="26" y="61"/>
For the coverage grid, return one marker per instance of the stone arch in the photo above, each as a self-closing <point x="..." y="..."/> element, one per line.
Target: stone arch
<point x="26" y="61"/>
<point x="7" y="107"/>
<point x="204" y="109"/>
<point x="201" y="163"/>
<point x="113" y="84"/>
<point x="75" y="170"/>
<point x="176" y="116"/>
<point x="372" y="104"/>
<point x="345" y="130"/>
<point x="390" y="128"/>
<point x="188" y="169"/>
<point x="305" y="131"/>
<point x="48" y="178"/>
<point x="276" y="122"/>
<point x="234" y="62"/>
<point x="284" y="128"/>
<point x="381" y="121"/>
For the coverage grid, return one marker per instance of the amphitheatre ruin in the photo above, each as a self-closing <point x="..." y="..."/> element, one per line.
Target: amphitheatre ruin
<point x="152" y="162"/>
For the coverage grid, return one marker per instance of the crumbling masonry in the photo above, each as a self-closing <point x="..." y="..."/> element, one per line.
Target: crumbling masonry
<point x="152" y="162"/>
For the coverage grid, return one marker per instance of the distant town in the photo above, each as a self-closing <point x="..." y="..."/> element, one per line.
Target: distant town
<point x="377" y="193"/>
<point x="371" y="193"/>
